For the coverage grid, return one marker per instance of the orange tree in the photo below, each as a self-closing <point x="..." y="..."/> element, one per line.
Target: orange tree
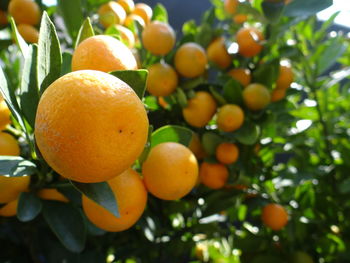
<point x="238" y="164"/>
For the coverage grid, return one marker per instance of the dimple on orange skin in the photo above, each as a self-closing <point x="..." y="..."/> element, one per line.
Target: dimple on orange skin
<point x="4" y="114"/>
<point x="200" y="109"/>
<point x="190" y="60"/>
<point x="52" y="194"/>
<point x="217" y="53"/>
<point x="242" y="75"/>
<point x="170" y="171"/>
<point x="158" y="38"/>
<point x="162" y="79"/>
<point x="103" y="53"/>
<point x="249" y="42"/>
<point x="10" y="209"/>
<point x="144" y="11"/>
<point x="90" y="126"/>
<point x="274" y="216"/>
<point x="285" y="78"/>
<point x="29" y="33"/>
<point x="213" y="175"/>
<point x="24" y="11"/>
<point x="227" y="153"/>
<point x="256" y="96"/>
<point x="230" y="118"/>
<point x="131" y="196"/>
<point x="111" y="13"/>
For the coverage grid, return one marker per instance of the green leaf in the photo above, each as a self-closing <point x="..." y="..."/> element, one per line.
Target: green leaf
<point x="232" y="92"/>
<point x="204" y="35"/>
<point x="85" y="32"/>
<point x="189" y="28"/>
<point x="181" y="97"/>
<point x="160" y="13"/>
<point x="136" y="79"/>
<point x="100" y="193"/>
<point x="18" y="38"/>
<point x="72" y="13"/>
<point x="29" y="206"/>
<point x="15" y="166"/>
<point x="210" y="141"/>
<point x="66" y="63"/>
<point x="344" y="187"/>
<point x="248" y="134"/>
<point x="272" y="11"/>
<point x="29" y="97"/>
<point x="242" y="212"/>
<point x="171" y="133"/>
<point x="218" y="97"/>
<point x="193" y="83"/>
<point x="299" y="8"/>
<point x="267" y="73"/>
<point x="147" y="148"/>
<point x="67" y="223"/>
<point x="49" y="54"/>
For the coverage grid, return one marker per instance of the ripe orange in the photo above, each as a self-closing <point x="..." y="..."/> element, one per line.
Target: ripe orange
<point x="158" y="38"/>
<point x="196" y="147"/>
<point x="144" y="11"/>
<point x="231" y="6"/>
<point x="8" y="145"/>
<point x="90" y="126"/>
<point x="249" y="41"/>
<point x="230" y="118"/>
<point x="200" y="109"/>
<point x="190" y="60"/>
<point x="131" y="196"/>
<point x="3" y="18"/>
<point x="213" y="175"/>
<point x="170" y="171"/>
<point x="217" y="53"/>
<point x="227" y="153"/>
<point x="29" y="33"/>
<point x="242" y="75"/>
<point x="256" y="96"/>
<point x="4" y="114"/>
<point x="162" y="79"/>
<point x="277" y="94"/>
<point x="274" y="216"/>
<point x="24" y="11"/>
<point x="10" y="209"/>
<point x="240" y="18"/>
<point x="103" y="53"/>
<point x="285" y="78"/>
<point x="131" y="18"/>
<point x="128" y="5"/>
<point x="52" y="194"/>
<point x="126" y="35"/>
<point x="111" y="13"/>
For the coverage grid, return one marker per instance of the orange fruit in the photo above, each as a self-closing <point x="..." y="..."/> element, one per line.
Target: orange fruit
<point x="196" y="147"/>
<point x="103" y="53"/>
<point x="285" y="78"/>
<point x="131" y="196"/>
<point x="230" y="6"/>
<point x="242" y="75"/>
<point x="11" y="187"/>
<point x="213" y="175"/>
<point x="217" y="53"/>
<point x="162" y="102"/>
<point x="230" y="118"/>
<point x="4" y="114"/>
<point x="8" y="145"/>
<point x="144" y="11"/>
<point x="249" y="41"/>
<point x="126" y="35"/>
<point x="3" y="18"/>
<point x="10" y="209"/>
<point x="227" y="153"/>
<point x="111" y="13"/>
<point x="256" y="96"/>
<point x="29" y="33"/>
<point x="128" y="5"/>
<point x="158" y="38"/>
<point x="274" y="216"/>
<point x="90" y="126"/>
<point x="200" y="109"/>
<point x="162" y="79"/>
<point x="190" y="60"/>
<point x="130" y="19"/>
<point x="24" y="11"/>
<point x="277" y="94"/>
<point x="240" y="18"/>
<point x="52" y="194"/>
<point x="170" y="171"/>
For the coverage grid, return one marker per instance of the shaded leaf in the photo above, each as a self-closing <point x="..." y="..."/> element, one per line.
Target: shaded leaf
<point x="15" y="166"/>
<point x="29" y="206"/>
<point x="299" y="8"/>
<point x="72" y="14"/>
<point x="210" y="141"/>
<point x="171" y="133"/>
<point x="248" y="134"/>
<point x="136" y="79"/>
<point x="232" y="92"/>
